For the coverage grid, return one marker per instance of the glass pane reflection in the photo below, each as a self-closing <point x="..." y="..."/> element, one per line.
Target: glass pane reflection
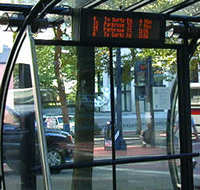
<point x="149" y="175"/>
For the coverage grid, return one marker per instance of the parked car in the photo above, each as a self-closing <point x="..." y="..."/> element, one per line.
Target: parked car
<point x="17" y="132"/>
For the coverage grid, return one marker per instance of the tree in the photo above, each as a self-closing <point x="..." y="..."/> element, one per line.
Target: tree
<point x="59" y="78"/>
<point x="101" y="65"/>
<point x="54" y="65"/>
<point x="45" y="56"/>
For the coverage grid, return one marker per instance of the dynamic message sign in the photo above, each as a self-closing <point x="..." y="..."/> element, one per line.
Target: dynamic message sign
<point x="119" y="26"/>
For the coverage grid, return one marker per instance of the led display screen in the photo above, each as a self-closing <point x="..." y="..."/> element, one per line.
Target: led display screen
<point x="125" y="27"/>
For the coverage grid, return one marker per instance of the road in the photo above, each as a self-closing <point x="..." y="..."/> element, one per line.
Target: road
<point x="137" y="176"/>
<point x="129" y="176"/>
<point x="142" y="176"/>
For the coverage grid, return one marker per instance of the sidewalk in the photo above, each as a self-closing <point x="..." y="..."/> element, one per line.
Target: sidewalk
<point x="136" y="150"/>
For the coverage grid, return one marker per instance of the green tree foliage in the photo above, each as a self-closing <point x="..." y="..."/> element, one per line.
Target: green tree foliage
<point x="164" y="60"/>
<point x="101" y="59"/>
<point x="45" y="57"/>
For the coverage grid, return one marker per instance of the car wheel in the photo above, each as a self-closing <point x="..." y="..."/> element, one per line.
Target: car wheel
<point x="54" y="158"/>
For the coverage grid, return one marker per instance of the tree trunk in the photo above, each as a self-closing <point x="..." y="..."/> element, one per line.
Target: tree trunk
<point x="137" y="103"/>
<point x="61" y="88"/>
<point x="138" y="116"/>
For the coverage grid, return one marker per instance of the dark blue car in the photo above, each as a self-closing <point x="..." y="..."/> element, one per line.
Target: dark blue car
<point x="20" y="139"/>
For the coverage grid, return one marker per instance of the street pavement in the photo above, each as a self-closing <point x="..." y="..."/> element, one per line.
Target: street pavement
<point x="137" y="176"/>
<point x="132" y="150"/>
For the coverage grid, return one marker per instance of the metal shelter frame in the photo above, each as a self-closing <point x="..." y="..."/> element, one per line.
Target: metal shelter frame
<point x="31" y="14"/>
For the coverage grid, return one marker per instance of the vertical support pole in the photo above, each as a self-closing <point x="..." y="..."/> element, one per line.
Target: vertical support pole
<point x="198" y="72"/>
<point x="112" y="97"/>
<point x="120" y="142"/>
<point x="27" y="148"/>
<point x="118" y="79"/>
<point x="184" y="116"/>
<point x="24" y="76"/>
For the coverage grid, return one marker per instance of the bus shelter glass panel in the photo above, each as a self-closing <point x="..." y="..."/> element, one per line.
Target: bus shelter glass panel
<point x="22" y="164"/>
<point x="76" y="118"/>
<point x="65" y="119"/>
<point x="173" y="140"/>
<point x="142" y="130"/>
<point x="195" y="124"/>
<point x="148" y="175"/>
<point x="75" y="93"/>
<point x="143" y="86"/>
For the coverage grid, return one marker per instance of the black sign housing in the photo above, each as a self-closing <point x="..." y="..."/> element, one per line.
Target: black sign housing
<point x="118" y="26"/>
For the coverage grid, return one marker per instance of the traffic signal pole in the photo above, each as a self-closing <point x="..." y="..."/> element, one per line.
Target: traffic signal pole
<point x="143" y="87"/>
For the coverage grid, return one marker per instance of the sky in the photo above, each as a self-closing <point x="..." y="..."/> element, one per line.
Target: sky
<point x="5" y="39"/>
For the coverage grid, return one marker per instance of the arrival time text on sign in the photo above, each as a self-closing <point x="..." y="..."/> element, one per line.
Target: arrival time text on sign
<point x="126" y="27"/>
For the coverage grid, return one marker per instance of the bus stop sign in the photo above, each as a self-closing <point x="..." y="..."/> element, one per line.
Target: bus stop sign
<point x="118" y="26"/>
